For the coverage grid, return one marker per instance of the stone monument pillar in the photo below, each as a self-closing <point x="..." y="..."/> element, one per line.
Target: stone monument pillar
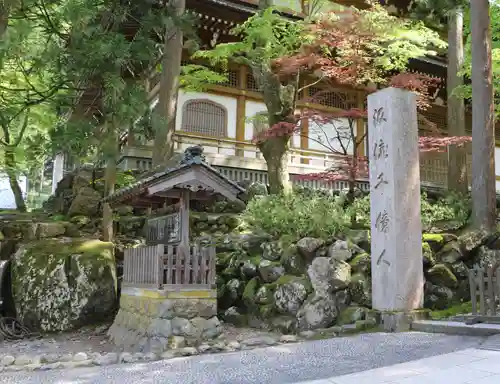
<point x="396" y="234"/>
<point x="57" y="171"/>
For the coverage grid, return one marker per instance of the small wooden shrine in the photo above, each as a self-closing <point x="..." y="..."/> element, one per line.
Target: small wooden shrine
<point x="169" y="258"/>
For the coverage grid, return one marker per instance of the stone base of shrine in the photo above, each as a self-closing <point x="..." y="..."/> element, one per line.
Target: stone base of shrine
<point x="158" y="320"/>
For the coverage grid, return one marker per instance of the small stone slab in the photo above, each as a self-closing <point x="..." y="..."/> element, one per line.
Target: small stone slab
<point x="455" y="328"/>
<point x="491" y="344"/>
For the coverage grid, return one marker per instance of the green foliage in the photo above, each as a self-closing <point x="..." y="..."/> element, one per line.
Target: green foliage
<point x="197" y="77"/>
<point x="398" y="39"/>
<point x="453" y="207"/>
<point x="295" y="215"/>
<point x="265" y="36"/>
<point x="465" y="91"/>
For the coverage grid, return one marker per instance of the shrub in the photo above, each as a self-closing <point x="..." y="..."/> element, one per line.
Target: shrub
<point x="296" y="215"/>
<point x="452" y="207"/>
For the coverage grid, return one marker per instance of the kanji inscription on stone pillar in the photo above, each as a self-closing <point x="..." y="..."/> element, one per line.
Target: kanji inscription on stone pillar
<point x="396" y="234"/>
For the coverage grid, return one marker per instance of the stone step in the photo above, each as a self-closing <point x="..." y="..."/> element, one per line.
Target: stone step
<point x="491" y="344"/>
<point x="455" y="328"/>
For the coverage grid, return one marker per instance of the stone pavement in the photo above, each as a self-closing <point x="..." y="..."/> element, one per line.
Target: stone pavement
<point x="468" y="366"/>
<point x="282" y="364"/>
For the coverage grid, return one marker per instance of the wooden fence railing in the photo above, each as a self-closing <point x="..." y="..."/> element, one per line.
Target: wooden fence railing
<point x="485" y="294"/>
<point x="167" y="267"/>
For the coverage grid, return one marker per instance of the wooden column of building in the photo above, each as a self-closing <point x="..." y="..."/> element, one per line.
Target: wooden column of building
<point x="304" y="129"/>
<point x="360" y="126"/>
<point x="241" y="110"/>
<point x="184" y="219"/>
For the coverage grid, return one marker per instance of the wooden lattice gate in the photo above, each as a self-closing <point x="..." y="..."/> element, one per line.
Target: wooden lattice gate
<point x="485" y="295"/>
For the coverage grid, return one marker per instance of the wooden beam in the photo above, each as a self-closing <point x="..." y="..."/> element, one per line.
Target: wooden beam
<point x="241" y="110"/>
<point x="304" y="138"/>
<point x="171" y="182"/>
<point x="217" y="184"/>
<point x="360" y="125"/>
<point x="177" y="194"/>
<point x="184" y="217"/>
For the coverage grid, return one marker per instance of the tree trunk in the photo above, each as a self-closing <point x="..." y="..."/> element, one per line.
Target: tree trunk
<point x="5" y="8"/>
<point x="483" y="121"/>
<point x="275" y="152"/>
<point x="109" y="185"/>
<point x="457" y="156"/>
<point x="10" y="165"/>
<point x="163" y="148"/>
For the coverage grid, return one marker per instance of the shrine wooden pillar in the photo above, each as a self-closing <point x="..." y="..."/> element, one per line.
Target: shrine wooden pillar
<point x="184" y="219"/>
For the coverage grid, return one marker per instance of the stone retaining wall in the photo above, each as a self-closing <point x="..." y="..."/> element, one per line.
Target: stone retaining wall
<point x="155" y="321"/>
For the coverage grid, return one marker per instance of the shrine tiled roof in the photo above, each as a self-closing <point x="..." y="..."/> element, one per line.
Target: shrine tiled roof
<point x="192" y="156"/>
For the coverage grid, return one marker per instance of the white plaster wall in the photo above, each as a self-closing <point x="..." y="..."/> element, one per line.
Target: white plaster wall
<point x="251" y="109"/>
<point x="228" y="102"/>
<point x="327" y="134"/>
<point x="290" y="4"/>
<point x="497" y="166"/>
<point x="7" y="200"/>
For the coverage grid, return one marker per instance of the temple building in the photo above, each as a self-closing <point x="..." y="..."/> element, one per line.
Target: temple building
<point x="218" y="117"/>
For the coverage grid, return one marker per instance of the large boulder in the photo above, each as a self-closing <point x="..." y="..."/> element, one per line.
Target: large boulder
<point x="487" y="257"/>
<point x="256" y="189"/>
<point x="472" y="240"/>
<point x="290" y="293"/>
<point x="86" y="202"/>
<point x="59" y="285"/>
<point x="328" y="275"/>
<point x="441" y="275"/>
<point x="293" y="262"/>
<point x="317" y="312"/>
<point x="270" y="271"/>
<point x="450" y="253"/>
<point x="308" y="246"/>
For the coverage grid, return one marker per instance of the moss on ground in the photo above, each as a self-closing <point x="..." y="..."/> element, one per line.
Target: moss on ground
<point x="458" y="309"/>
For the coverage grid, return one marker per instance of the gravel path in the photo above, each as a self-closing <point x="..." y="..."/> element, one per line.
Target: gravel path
<point x="283" y="364"/>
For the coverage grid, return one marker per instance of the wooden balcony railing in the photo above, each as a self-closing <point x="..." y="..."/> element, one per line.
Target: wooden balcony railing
<point x="165" y="267"/>
<point x="241" y="160"/>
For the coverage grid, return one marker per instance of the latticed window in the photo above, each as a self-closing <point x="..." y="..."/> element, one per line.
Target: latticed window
<point x="204" y="117"/>
<point x="334" y="99"/>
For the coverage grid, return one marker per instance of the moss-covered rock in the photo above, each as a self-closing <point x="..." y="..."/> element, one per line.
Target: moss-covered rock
<point x="270" y="271"/>
<point x="435" y="240"/>
<point x="272" y="250"/>
<point x="472" y="240"/>
<point x="360" y="289"/>
<point x="361" y="263"/>
<point x="222" y="260"/>
<point x="360" y="237"/>
<point x="60" y="285"/>
<point x="86" y="202"/>
<point x="427" y="255"/>
<point x="437" y="297"/>
<point x="351" y="314"/>
<point x="265" y="294"/>
<point x="318" y="311"/>
<point x="487" y="257"/>
<point x="47" y="230"/>
<point x="441" y="275"/>
<point x="256" y="189"/>
<point x="291" y="292"/>
<point x="293" y="261"/>
<point x="450" y="253"/>
<point x="249" y="293"/>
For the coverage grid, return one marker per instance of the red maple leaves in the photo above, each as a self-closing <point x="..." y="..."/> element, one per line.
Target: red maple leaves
<point x="343" y="52"/>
